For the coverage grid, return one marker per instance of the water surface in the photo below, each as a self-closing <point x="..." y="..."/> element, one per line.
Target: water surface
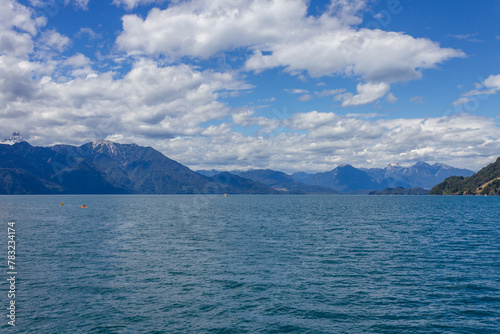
<point x="254" y="264"/>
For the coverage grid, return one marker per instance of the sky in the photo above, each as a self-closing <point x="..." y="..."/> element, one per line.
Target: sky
<point x="290" y="85"/>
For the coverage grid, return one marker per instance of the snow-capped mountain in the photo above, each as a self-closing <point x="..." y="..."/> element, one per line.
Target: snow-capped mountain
<point x="15" y="138"/>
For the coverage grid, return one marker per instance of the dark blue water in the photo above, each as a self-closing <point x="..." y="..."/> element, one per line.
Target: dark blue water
<point x="253" y="264"/>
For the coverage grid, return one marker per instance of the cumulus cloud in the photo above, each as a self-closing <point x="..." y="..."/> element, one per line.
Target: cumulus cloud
<point x="374" y="55"/>
<point x="149" y="101"/>
<point x="493" y="82"/>
<point x="78" y="60"/>
<point x="208" y="27"/>
<point x="17" y="28"/>
<point x="52" y="40"/>
<point x="281" y="34"/>
<point x="367" y="93"/>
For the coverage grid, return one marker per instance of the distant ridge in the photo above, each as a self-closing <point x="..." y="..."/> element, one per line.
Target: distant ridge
<point x="105" y="167"/>
<point x="420" y="175"/>
<point x="344" y="178"/>
<point x="351" y="180"/>
<point x="283" y="182"/>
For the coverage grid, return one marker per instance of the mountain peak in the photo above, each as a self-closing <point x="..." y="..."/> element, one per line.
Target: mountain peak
<point x="421" y="164"/>
<point x="102" y="145"/>
<point x="15" y="138"/>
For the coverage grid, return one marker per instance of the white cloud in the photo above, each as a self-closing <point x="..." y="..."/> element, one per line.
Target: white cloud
<point x="374" y="55"/>
<point x="13" y="14"/>
<point x="80" y="66"/>
<point x="282" y="35"/>
<point x="78" y="60"/>
<point x="493" y="81"/>
<point x="91" y="34"/>
<point x="17" y="28"/>
<point x="367" y="93"/>
<point x="52" y="40"/>
<point x="297" y="91"/>
<point x="131" y="4"/>
<point x="492" y="85"/>
<point x="391" y="98"/>
<point x="150" y="101"/>
<point x="208" y="27"/>
<point x="320" y="141"/>
<point x="83" y="4"/>
<point x="461" y="101"/>
<point x="304" y="94"/>
<point x="467" y="37"/>
<point x="480" y="92"/>
<point x="16" y="83"/>
<point x="417" y="99"/>
<point x="52" y="5"/>
<point x="271" y="99"/>
<point x="305" y="97"/>
<point x="328" y="92"/>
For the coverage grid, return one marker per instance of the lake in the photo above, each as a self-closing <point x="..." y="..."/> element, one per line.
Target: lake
<point x="252" y="264"/>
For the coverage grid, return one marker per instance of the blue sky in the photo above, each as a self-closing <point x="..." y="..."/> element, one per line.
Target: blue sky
<point x="291" y="85"/>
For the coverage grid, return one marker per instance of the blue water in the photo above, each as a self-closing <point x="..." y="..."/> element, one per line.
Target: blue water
<point x="253" y="264"/>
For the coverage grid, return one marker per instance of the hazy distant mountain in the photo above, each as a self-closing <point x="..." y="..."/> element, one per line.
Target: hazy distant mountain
<point x="231" y="183"/>
<point x="104" y="167"/>
<point x="420" y="175"/>
<point x="208" y="173"/>
<point x="484" y="182"/>
<point x="284" y="182"/>
<point x="347" y="178"/>
<point x="344" y="178"/>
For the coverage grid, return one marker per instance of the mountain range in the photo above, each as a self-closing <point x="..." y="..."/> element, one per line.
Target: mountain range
<point x="105" y="167"/>
<point x="284" y="182"/>
<point x="348" y="179"/>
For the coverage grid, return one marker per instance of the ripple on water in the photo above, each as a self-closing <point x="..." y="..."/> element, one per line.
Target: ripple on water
<point x="257" y="264"/>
